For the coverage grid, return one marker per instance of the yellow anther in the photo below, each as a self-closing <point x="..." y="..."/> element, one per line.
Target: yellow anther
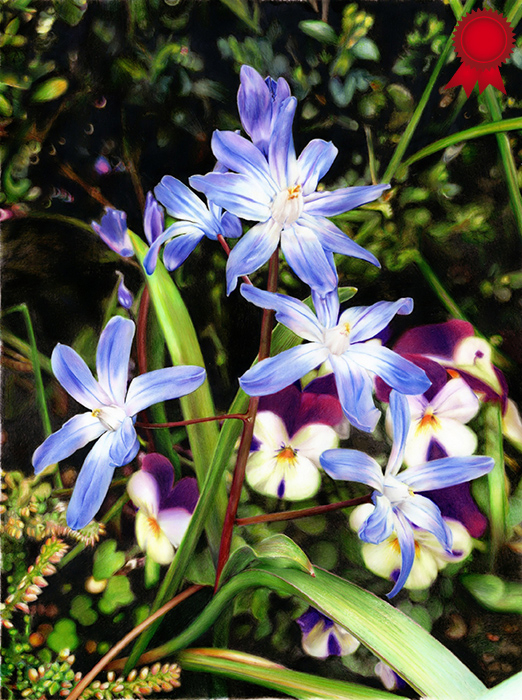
<point x="293" y="192"/>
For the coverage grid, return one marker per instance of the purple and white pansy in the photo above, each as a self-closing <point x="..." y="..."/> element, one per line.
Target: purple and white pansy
<point x="292" y="429"/>
<point x="397" y="506"/>
<point x="343" y="342"/>
<point x="280" y="192"/>
<point x="112" y="409"/>
<point x="164" y="510"/>
<point x="322" y="637"/>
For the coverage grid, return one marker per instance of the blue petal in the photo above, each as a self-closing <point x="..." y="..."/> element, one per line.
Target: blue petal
<point x="254" y="106"/>
<point x="241" y="156"/>
<point x="355" y="389"/>
<point x="161" y="385"/>
<point x="341" y="200"/>
<point x="368" y="321"/>
<point x="425" y="514"/>
<point x="399" y="373"/>
<point x="112" y="357"/>
<point x="151" y="258"/>
<point x="281" y="151"/>
<point x="91" y="485"/>
<point x="352" y="465"/>
<point x="76" y="378"/>
<point x="179" y="248"/>
<point x="291" y="312"/>
<point x="231" y="225"/>
<point x="125" y="298"/>
<point x="153" y="219"/>
<point x="276" y="373"/>
<point x="243" y="195"/>
<point x="252" y="251"/>
<point x="113" y="231"/>
<point x="407" y="545"/>
<point x="125" y="444"/>
<point x="327" y="307"/>
<point x="72" y="436"/>
<point x="447" y="471"/>
<point x="180" y="201"/>
<point x="306" y="257"/>
<point x="333" y="239"/>
<point x="379" y="524"/>
<point x="401" y="418"/>
<point x="314" y="162"/>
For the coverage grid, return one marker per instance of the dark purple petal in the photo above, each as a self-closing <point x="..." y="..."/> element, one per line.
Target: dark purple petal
<point x="436" y="373"/>
<point x="318" y="408"/>
<point x="285" y="404"/>
<point x="457" y="502"/>
<point x="435" y="339"/>
<point x="161" y="469"/>
<point x="281" y="489"/>
<point x="310" y="618"/>
<point x="184" y="495"/>
<point x="334" y="648"/>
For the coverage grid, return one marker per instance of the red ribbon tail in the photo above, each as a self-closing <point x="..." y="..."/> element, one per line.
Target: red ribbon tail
<point x="467" y="77"/>
<point x="491" y="76"/>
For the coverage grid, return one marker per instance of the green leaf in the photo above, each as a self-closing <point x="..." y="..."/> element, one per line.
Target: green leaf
<point x="237" y="562"/>
<point x="107" y="560"/>
<point x="240" y="9"/>
<point x="70" y="11"/>
<point x="81" y="610"/>
<point x="116" y="595"/>
<point x="255" y="669"/>
<point x="282" y="552"/>
<point x="319" y="30"/>
<point x="63" y="636"/>
<point x="50" y="90"/>
<point x="366" y="49"/>
<point x="494" y="593"/>
<point x="507" y="690"/>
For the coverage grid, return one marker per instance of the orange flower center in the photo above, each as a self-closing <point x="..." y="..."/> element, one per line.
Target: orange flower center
<point x="154" y="526"/>
<point x="428" y="420"/>
<point x="287" y="454"/>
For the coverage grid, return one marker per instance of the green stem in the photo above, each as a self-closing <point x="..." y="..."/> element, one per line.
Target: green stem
<point x="474" y="132"/>
<point x="417" y="114"/>
<point x="26" y="350"/>
<point x="69" y="220"/>
<point x="498" y="502"/>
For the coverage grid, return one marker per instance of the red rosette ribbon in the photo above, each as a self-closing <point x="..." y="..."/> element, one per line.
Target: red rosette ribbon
<point x="483" y="41"/>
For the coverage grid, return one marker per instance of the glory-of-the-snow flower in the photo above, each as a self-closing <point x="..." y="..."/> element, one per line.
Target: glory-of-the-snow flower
<point x="195" y="221"/>
<point x="164" y="511"/>
<point x="397" y="505"/>
<point x="111" y="415"/>
<point x="343" y="342"/>
<point x="280" y="192"/>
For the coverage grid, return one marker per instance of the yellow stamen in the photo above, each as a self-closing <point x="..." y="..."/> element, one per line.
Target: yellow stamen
<point x="428" y="420"/>
<point x="293" y="192"/>
<point x="287" y="454"/>
<point x="96" y="413"/>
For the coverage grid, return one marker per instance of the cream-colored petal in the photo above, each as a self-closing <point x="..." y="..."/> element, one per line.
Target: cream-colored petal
<point x="348" y="643"/>
<point x="270" y="430"/>
<point x="313" y="439"/>
<point x="417" y="444"/>
<point x="159" y="548"/>
<point x="315" y="643"/>
<point x="142" y="488"/>
<point x="455" y="400"/>
<point x="360" y="514"/>
<point x="512" y="424"/>
<point x="142" y="529"/>
<point x="424" y="570"/>
<point x="265" y="472"/>
<point x="457" y="439"/>
<point x="174" y="523"/>
<point x="473" y="355"/>
<point x="382" y="558"/>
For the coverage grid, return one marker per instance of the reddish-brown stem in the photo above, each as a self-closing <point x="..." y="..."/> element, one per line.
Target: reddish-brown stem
<point x="248" y="429"/>
<point x="304" y="512"/>
<point x="141" y="351"/>
<point x="192" y="421"/>
<point x="226" y="248"/>
<point x="93" y="192"/>
<point x="91" y="675"/>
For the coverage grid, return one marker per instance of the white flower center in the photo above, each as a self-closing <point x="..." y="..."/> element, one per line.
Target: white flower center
<point x="337" y="339"/>
<point x="287" y="206"/>
<point x="396" y="491"/>
<point x="111" y="417"/>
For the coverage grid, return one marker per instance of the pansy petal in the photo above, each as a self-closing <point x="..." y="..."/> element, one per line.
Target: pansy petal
<point x="293" y="479"/>
<point x="125" y="444"/>
<point x="456" y="400"/>
<point x="153" y="540"/>
<point x="333" y="239"/>
<point x="368" y="321"/>
<point x="341" y="200"/>
<point x="400" y="412"/>
<point x="112" y="357"/>
<point x="292" y="313"/>
<point x="241" y="156"/>
<point x="144" y="492"/>
<point x="448" y="471"/>
<point x="91" y="485"/>
<point x="180" y="201"/>
<point x="174" y="523"/>
<point x="185" y="494"/>
<point x="239" y="194"/>
<point x="457" y="440"/>
<point x="160" y="469"/>
<point x="437" y="340"/>
<point x="425" y="514"/>
<point x="307" y="258"/>
<point x="314" y="162"/>
<point x="399" y="373"/>
<point x="76" y="378"/>
<point x="72" y="436"/>
<point x="178" y="249"/>
<point x="313" y="439"/>
<point x="281" y="151"/>
<point x="161" y="385"/>
<point x="418" y="445"/>
<point x="352" y="465"/>
<point x="275" y="373"/>
<point x="379" y="525"/>
<point x="270" y="430"/>
<point x="252" y="251"/>
<point x="355" y="389"/>
<point x="407" y="545"/>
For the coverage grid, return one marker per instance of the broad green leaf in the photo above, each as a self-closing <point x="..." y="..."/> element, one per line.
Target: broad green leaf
<point x="510" y="689"/>
<point x="494" y="593"/>
<point x="238" y="561"/>
<point x="366" y="49"/>
<point x="116" y="595"/>
<point x="400" y="642"/>
<point x="50" y="90"/>
<point x="282" y="552"/>
<point x="107" y="560"/>
<point x="321" y="31"/>
<point x="254" y="669"/>
<point x="63" y="636"/>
